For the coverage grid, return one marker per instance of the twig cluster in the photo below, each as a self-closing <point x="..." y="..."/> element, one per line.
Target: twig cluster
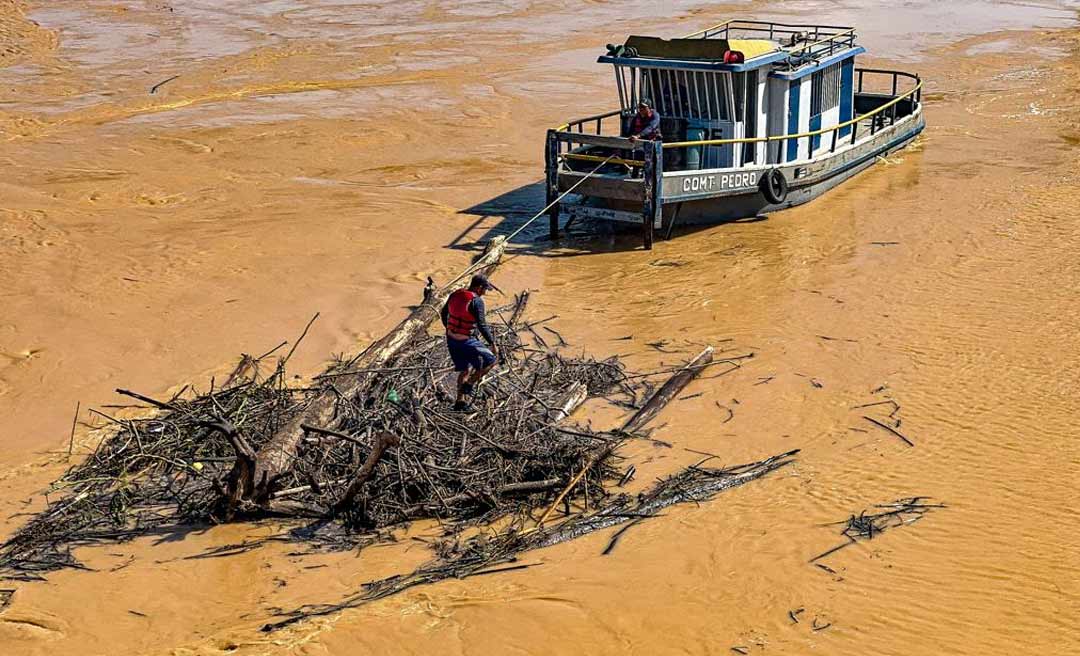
<point x="868" y="524"/>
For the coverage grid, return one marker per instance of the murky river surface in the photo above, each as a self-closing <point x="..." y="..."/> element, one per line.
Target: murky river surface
<point x="322" y="156"/>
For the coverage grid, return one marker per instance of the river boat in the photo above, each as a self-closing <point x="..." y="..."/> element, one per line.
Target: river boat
<point x="756" y="116"/>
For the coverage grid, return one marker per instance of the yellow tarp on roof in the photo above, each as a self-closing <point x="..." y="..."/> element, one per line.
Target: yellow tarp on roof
<point x="651" y="47"/>
<point x="751" y="48"/>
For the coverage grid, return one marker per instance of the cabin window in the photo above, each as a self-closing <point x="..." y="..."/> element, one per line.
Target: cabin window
<point x="825" y="90"/>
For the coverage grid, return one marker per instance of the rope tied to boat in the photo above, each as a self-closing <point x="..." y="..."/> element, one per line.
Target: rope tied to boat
<point x="474" y="267"/>
<point x="561" y="196"/>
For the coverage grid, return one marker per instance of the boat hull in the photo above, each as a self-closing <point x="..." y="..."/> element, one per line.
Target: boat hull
<point x="723" y="195"/>
<point x="741" y="206"/>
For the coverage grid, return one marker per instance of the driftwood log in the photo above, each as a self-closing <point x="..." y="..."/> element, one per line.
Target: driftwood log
<point x="667" y="391"/>
<point x="253" y="479"/>
<point x="382" y="442"/>
<point x="575" y="396"/>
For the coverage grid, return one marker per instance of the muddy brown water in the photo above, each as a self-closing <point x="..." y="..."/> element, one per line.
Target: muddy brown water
<point x="323" y="156"/>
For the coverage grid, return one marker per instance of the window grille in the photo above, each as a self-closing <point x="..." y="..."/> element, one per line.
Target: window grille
<point x="678" y="93"/>
<point x="825" y="90"/>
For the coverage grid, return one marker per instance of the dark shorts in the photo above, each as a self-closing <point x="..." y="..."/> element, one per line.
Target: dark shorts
<point x="469" y="353"/>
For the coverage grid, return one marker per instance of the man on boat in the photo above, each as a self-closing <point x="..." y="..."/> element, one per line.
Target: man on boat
<point x="646" y="123"/>
<point x="463" y="316"/>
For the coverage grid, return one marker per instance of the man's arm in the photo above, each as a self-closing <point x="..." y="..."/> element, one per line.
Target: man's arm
<point x="478" y="311"/>
<point x="654" y="124"/>
<point x="444" y="314"/>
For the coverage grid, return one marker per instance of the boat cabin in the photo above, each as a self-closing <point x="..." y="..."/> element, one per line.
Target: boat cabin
<point x="707" y="86"/>
<point x="755" y="116"/>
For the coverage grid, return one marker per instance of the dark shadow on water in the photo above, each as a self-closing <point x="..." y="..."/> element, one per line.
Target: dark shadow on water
<point x="504" y="214"/>
<point x="178" y="532"/>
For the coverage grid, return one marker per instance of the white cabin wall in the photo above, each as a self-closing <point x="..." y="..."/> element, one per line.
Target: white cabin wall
<point x="830" y="118"/>
<point x="776" y="107"/>
<point x="763" y="114"/>
<point x="805" y="85"/>
<point x="738" y="131"/>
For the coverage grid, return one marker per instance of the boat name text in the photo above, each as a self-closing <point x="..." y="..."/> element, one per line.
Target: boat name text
<point x="721" y="181"/>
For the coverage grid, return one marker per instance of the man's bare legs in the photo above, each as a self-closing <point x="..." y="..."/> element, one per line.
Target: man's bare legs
<point x="469" y="379"/>
<point x="462" y="380"/>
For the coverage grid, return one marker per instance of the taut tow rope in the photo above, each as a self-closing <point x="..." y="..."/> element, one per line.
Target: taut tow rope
<point x="473" y="268"/>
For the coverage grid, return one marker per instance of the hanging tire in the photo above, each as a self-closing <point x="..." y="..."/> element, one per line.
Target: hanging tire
<point x="774" y="187"/>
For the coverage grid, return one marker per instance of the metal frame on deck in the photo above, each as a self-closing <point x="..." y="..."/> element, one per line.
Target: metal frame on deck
<point x="651" y="164"/>
<point x="812" y="40"/>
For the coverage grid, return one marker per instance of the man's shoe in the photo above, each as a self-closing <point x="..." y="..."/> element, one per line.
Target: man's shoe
<point x="461" y="406"/>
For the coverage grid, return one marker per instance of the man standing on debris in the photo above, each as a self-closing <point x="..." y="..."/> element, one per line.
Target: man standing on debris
<point x="463" y="316"/>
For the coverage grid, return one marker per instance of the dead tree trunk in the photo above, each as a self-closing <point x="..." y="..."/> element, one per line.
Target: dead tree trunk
<point x="277" y="455"/>
<point x="383" y="441"/>
<point x="571" y="401"/>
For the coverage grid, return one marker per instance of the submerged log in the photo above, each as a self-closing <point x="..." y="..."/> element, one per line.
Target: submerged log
<point x="276" y="457"/>
<point x="667" y="392"/>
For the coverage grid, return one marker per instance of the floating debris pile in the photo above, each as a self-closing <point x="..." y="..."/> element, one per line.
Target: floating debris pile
<point x="396" y="451"/>
<point x="372" y="444"/>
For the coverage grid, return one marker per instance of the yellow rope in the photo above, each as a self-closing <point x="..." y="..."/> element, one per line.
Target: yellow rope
<point x="801" y="135"/>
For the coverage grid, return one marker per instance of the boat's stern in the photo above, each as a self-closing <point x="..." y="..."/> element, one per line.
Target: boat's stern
<point x="604" y="177"/>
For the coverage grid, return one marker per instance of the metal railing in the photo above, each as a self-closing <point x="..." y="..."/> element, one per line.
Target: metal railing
<point x="596" y="123"/>
<point x="886" y="110"/>
<point x="815" y="40"/>
<point x="579" y="123"/>
<point x="896" y="75"/>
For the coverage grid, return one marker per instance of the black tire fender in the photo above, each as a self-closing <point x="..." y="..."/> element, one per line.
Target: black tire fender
<point x="774" y="186"/>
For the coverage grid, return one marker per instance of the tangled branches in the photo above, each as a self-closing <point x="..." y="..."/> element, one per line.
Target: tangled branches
<point x="396" y="452"/>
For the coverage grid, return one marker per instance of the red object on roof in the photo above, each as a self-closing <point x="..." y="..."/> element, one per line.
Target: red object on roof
<point x="734" y="57"/>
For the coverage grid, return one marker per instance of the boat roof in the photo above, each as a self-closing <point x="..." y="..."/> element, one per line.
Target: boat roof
<point x="792" y="50"/>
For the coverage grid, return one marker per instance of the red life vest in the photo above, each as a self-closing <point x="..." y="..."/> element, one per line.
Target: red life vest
<point x="639" y="123"/>
<point x="460" y="320"/>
